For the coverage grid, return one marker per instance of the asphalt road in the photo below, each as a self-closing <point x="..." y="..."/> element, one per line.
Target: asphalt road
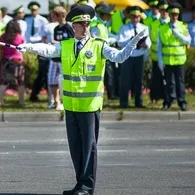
<point x="134" y="159"/>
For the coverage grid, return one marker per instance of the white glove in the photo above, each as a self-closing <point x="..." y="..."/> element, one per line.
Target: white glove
<point x="111" y="40"/>
<point x="24" y="47"/>
<point x="136" y="39"/>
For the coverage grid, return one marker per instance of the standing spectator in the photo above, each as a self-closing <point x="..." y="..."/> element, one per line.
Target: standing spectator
<point x="156" y="90"/>
<point x="98" y="28"/>
<point x="173" y="38"/>
<point x="11" y="66"/>
<point x="191" y="27"/>
<point x="155" y="12"/>
<point x="19" y="16"/>
<point x="62" y="31"/>
<point x="132" y="69"/>
<point x="5" y="17"/>
<point x="48" y="37"/>
<point x="35" y="24"/>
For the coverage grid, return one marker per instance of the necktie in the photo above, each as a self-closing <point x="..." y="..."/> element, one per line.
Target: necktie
<point x="33" y="27"/>
<point x="79" y="47"/>
<point x="135" y="31"/>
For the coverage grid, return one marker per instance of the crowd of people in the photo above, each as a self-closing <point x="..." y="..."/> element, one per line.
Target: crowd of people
<point x="165" y="41"/>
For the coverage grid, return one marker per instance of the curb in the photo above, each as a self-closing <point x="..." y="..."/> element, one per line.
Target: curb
<point x="105" y="116"/>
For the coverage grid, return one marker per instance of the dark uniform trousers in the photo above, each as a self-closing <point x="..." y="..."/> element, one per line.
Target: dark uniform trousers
<point x="131" y="79"/>
<point x="156" y="89"/>
<point x="41" y="78"/>
<point x="176" y="71"/>
<point x="82" y="133"/>
<point x="111" y="80"/>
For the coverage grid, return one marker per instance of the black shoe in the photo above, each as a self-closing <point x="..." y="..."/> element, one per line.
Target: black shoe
<point x="70" y="192"/>
<point x="82" y="192"/>
<point x="34" y="99"/>
<point x="183" y="107"/>
<point x="140" y="106"/>
<point x="165" y="107"/>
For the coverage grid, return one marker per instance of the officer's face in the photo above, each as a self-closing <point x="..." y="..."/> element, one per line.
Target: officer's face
<point x="21" y="15"/>
<point x="174" y="17"/>
<point x="154" y="10"/>
<point x="163" y="13"/>
<point x="81" y="29"/>
<point x="135" y="19"/>
<point x="34" y="12"/>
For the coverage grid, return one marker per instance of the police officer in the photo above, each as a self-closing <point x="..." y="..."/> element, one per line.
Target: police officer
<point x="19" y="16"/>
<point x="83" y="66"/>
<point x="173" y="38"/>
<point x="156" y="90"/>
<point x="132" y="69"/>
<point x="99" y="28"/>
<point x="155" y="12"/>
<point x="35" y="25"/>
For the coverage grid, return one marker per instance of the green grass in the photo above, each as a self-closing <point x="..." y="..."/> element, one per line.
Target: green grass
<point x="11" y="104"/>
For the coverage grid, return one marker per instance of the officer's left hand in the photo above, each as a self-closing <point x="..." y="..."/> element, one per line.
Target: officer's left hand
<point x="139" y="36"/>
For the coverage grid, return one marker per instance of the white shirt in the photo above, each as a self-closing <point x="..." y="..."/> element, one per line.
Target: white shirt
<point x="23" y="26"/>
<point x="6" y="19"/>
<point x="54" y="51"/>
<point x="39" y="22"/>
<point x="48" y="31"/>
<point x="127" y="32"/>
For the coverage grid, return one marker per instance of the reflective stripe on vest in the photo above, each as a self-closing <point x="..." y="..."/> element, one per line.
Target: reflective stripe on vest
<point x="83" y="94"/>
<point x="173" y="51"/>
<point x="83" y="78"/>
<point x="83" y="85"/>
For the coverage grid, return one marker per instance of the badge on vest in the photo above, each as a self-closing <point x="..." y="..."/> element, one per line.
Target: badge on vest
<point x="90" y="68"/>
<point x="88" y="54"/>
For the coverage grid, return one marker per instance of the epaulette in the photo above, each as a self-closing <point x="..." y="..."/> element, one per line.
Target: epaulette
<point x="100" y="39"/>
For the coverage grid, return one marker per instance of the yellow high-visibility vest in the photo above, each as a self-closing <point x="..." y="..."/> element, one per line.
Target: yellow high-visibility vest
<point x="83" y="84"/>
<point x="173" y="51"/>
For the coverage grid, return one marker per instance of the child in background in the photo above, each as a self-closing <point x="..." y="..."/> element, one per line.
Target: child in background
<point x="11" y="65"/>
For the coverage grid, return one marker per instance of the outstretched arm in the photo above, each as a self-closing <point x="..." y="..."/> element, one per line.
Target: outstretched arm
<point x="120" y="56"/>
<point x="42" y="49"/>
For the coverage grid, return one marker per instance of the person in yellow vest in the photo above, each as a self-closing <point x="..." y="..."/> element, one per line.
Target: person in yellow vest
<point x="156" y="89"/>
<point x="155" y="12"/>
<point x="83" y="66"/>
<point x="99" y="28"/>
<point x="173" y="39"/>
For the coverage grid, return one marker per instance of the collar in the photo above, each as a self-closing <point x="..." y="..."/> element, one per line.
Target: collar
<point x="165" y="20"/>
<point x="83" y="40"/>
<point x="135" y="25"/>
<point x="157" y="16"/>
<point x="174" y="24"/>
